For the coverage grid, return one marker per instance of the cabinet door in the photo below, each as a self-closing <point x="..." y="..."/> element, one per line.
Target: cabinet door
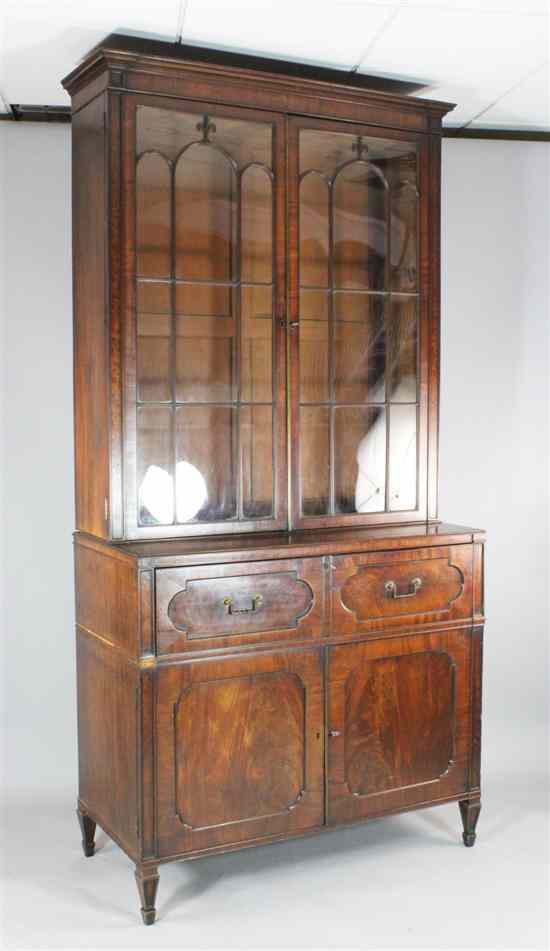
<point x="360" y="335"/>
<point x="239" y="750"/>
<point x="399" y="719"/>
<point x="204" y="341"/>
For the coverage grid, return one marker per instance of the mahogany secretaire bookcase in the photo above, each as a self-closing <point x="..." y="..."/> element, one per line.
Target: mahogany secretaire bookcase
<point x="275" y="634"/>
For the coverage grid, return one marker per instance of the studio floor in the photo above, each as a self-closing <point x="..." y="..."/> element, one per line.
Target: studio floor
<point x="402" y="882"/>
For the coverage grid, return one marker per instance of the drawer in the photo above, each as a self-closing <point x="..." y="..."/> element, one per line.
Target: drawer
<point x="396" y="589"/>
<point x="219" y="606"/>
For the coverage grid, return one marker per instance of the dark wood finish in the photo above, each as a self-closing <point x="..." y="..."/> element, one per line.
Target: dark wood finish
<point x="430" y="585"/>
<point x="398" y="723"/>
<point x="107" y="739"/>
<point x="147" y="880"/>
<point x="113" y="616"/>
<point x="469" y="812"/>
<point x="91" y="329"/>
<point x="87" y="828"/>
<point x="198" y="608"/>
<point x="240" y="750"/>
<point x="187" y="53"/>
<point x="241" y="683"/>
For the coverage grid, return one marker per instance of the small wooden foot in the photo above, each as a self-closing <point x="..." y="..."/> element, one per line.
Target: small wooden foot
<point x="469" y="810"/>
<point x="147" y="882"/>
<point x="87" y="827"/>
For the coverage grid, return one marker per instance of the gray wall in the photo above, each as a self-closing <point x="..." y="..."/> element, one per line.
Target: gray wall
<point x="494" y="427"/>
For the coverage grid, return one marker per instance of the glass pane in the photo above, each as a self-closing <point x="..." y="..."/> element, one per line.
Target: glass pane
<point x="360" y="227"/>
<point x="404" y="227"/>
<point x="257" y="344"/>
<point x="402" y="458"/>
<point x="204" y="359"/>
<point x="359" y="349"/>
<point x="314" y="349"/>
<point x="205" y="463"/>
<point x="203" y="300"/>
<point x="171" y="131"/>
<point x="256" y="226"/>
<point x="315" y="460"/>
<point x="205" y="315"/>
<point x="205" y="214"/>
<point x="155" y="471"/>
<point x="154" y="347"/>
<point x="314" y="231"/>
<point x="360" y="459"/>
<point x="257" y="461"/>
<point x="402" y="350"/>
<point x="153" y="216"/>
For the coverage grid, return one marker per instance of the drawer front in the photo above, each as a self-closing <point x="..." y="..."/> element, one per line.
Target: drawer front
<point x="396" y="589"/>
<point x="218" y="606"/>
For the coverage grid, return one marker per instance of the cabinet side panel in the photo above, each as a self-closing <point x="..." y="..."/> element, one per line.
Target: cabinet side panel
<point x="107" y="597"/>
<point x="107" y="738"/>
<point x="91" y="319"/>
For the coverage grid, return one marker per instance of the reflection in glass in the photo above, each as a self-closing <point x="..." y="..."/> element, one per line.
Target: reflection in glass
<point x="205" y="438"/>
<point x="205" y="214"/>
<point x="314" y="231"/>
<point x="404" y="227"/>
<point x="256" y="226"/>
<point x="315" y="460"/>
<point x="153" y="358"/>
<point x="153" y="216"/>
<point x="358" y="338"/>
<point x="402" y="350"/>
<point x="257" y="344"/>
<point x="257" y="460"/>
<point x="402" y="463"/>
<point x="360" y="227"/>
<point x="359" y="349"/>
<point x="360" y="459"/>
<point x="204" y="359"/>
<point x="156" y="495"/>
<point x="205" y="331"/>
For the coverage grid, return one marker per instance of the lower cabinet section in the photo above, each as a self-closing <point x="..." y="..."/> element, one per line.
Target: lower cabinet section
<point x="239" y="749"/>
<point x="399" y="717"/>
<point x="241" y="741"/>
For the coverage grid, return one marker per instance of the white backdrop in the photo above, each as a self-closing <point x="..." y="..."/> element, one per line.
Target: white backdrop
<point x="494" y="475"/>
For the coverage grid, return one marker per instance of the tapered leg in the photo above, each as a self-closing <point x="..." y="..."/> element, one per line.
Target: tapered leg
<point x="147" y="882"/>
<point x="87" y="827"/>
<point x="469" y="810"/>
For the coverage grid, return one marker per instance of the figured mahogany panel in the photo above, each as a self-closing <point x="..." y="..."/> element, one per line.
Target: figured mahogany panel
<point x="255" y="767"/>
<point x="218" y="606"/>
<point x="107" y="738"/>
<point x="399" y="723"/>
<point x="390" y="589"/>
<point x="239" y="749"/>
<point x="107" y="595"/>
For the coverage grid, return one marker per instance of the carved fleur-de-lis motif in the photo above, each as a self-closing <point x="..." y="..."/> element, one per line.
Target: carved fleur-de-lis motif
<point x="206" y="127"/>
<point x="360" y="147"/>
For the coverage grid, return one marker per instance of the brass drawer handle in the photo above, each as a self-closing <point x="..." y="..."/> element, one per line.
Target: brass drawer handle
<point x="256" y="603"/>
<point x="391" y="589"/>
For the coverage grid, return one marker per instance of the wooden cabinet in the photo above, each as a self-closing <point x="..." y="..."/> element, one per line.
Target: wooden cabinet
<point x="275" y="632"/>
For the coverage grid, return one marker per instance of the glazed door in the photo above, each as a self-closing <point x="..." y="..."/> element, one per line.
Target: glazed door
<point x="359" y="346"/>
<point x="204" y="340"/>
<point x="240" y="750"/>
<point x="399" y="723"/>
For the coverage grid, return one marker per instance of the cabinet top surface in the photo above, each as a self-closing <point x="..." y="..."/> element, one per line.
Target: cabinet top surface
<point x="293" y="544"/>
<point x="119" y="49"/>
